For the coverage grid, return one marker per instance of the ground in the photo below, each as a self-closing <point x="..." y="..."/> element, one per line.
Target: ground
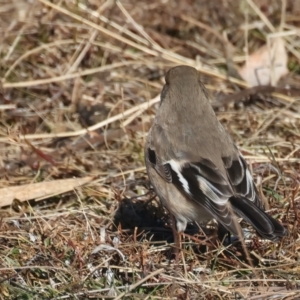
<point x="79" y="87"/>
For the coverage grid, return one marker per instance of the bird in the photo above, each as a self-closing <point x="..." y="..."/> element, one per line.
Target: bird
<point x="194" y="166"/>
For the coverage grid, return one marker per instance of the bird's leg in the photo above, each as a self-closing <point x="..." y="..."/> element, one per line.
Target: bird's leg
<point x="177" y="238"/>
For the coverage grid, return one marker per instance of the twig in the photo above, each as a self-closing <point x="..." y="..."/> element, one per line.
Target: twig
<point x="134" y="286"/>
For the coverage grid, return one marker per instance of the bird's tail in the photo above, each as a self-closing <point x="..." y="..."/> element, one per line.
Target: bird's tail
<point x="266" y="226"/>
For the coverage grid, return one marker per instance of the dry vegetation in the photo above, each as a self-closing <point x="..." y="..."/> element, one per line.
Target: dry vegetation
<point x="79" y="85"/>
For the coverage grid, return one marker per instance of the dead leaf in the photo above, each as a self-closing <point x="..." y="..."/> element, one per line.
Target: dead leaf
<point x="267" y="65"/>
<point x="40" y="189"/>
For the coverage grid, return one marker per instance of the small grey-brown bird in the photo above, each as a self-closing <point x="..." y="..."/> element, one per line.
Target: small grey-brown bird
<point x="195" y="168"/>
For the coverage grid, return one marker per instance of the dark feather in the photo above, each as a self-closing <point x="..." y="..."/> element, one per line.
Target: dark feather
<point x="246" y="208"/>
<point x="217" y="211"/>
<point x="209" y="171"/>
<point x="162" y="169"/>
<point x="235" y="170"/>
<point x="264" y="224"/>
<point x="241" y="180"/>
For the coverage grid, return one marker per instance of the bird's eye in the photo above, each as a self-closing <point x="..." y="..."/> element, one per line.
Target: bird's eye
<point x="152" y="156"/>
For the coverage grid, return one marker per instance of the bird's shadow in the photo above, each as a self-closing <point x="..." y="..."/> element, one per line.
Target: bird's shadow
<point x="148" y="220"/>
<point x="143" y="217"/>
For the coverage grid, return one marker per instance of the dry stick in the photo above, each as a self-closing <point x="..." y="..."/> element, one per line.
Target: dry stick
<point x="60" y="43"/>
<point x="264" y="89"/>
<point x="134" y="286"/>
<point x="35" y="50"/>
<point x="205" y="27"/>
<point x="111" y="23"/>
<point x="173" y="57"/>
<point x="140" y="107"/>
<point x="99" y="28"/>
<point x="263" y="17"/>
<point x="275" y="294"/>
<point x="68" y="76"/>
<point x="241" y="237"/>
<point x="7" y="106"/>
<point x="227" y="46"/>
<point x="168" y="55"/>
<point x="14" y="44"/>
<point x="159" y="51"/>
<point x="268" y="122"/>
<point x="204" y="284"/>
<point x="283" y="15"/>
<point x="135" y="25"/>
<point x="83" y="52"/>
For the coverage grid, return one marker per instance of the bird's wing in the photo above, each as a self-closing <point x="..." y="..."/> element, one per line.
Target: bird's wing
<point x="220" y="194"/>
<point x="200" y="181"/>
<point x="246" y="202"/>
<point x="241" y="179"/>
<point x="203" y="183"/>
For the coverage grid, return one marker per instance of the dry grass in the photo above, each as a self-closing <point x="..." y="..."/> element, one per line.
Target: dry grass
<point x="79" y="87"/>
